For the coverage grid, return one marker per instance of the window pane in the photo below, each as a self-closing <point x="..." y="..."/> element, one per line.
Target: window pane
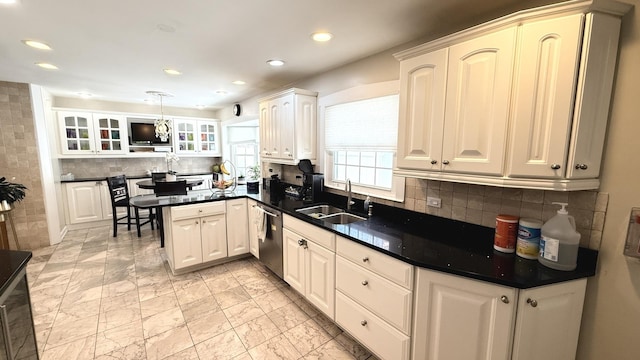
<point x="385" y="159"/>
<point x="251" y="160"/>
<point x="353" y="158"/>
<point x="384" y="178"/>
<point x="368" y="158"/>
<point x="353" y="173"/>
<point x="339" y="173"/>
<point x="340" y="157"/>
<point x="367" y="176"/>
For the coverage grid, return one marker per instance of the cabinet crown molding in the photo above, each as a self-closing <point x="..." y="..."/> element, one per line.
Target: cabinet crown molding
<point x="564" y="8"/>
<point x="289" y="91"/>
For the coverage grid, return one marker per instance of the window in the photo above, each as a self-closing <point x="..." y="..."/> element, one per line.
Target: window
<point x="360" y="139"/>
<point x="244" y="155"/>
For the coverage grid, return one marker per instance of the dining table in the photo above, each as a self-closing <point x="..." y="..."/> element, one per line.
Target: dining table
<point x="151" y="185"/>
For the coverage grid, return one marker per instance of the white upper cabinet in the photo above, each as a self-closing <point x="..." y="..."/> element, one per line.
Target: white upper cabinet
<point x="543" y="96"/>
<point x="477" y="103"/>
<point x="423" y="83"/>
<point x="196" y="137"/>
<point x="288" y="126"/>
<point x="526" y="99"/>
<point x="92" y="134"/>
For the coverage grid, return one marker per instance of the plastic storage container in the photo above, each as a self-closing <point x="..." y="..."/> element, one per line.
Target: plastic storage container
<point x="528" y="243"/>
<point x="559" y="241"/>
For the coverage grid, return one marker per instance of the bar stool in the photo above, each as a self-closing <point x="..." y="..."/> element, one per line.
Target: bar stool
<point x="119" y="192"/>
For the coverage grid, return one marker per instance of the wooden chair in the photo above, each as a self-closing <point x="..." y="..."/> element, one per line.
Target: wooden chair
<point x="119" y="192"/>
<point x="169" y="188"/>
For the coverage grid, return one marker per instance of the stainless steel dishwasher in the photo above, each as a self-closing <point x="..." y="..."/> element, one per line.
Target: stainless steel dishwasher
<point x="270" y="239"/>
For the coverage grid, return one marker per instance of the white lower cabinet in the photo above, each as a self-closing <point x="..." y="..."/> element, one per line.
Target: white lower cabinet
<point x="89" y="201"/>
<point x="195" y="234"/>
<point x="237" y="227"/>
<point x="459" y="318"/>
<point x="309" y="263"/>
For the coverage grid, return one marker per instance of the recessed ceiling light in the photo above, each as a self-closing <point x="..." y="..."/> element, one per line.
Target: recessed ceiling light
<point x="8" y="1"/>
<point x="85" y="95"/>
<point x="201" y="106"/>
<point x="321" y="36"/>
<point x="166" y="28"/>
<point x="238" y="82"/>
<point x="221" y="92"/>
<point x="275" y="62"/>
<point x="36" y="44"/>
<point x="47" y="66"/>
<point x="172" y="72"/>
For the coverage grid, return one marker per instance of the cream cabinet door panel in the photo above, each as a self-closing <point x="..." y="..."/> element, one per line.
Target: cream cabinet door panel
<point x="265" y="129"/>
<point x="286" y="127"/>
<point x="595" y="81"/>
<point x="237" y="227"/>
<point x="213" y="233"/>
<point x="187" y="245"/>
<point x="305" y="127"/>
<point x="254" y="217"/>
<point x="549" y="330"/>
<point x="457" y="318"/>
<point x="84" y="202"/>
<point x="321" y="278"/>
<point x="477" y="105"/>
<point x="274" y="133"/>
<point x="543" y="90"/>
<point x="423" y="85"/>
<point x="293" y="259"/>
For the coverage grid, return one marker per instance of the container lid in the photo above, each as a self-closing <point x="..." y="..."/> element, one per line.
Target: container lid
<point x="507" y="218"/>
<point x="532" y="223"/>
<point x="305" y="166"/>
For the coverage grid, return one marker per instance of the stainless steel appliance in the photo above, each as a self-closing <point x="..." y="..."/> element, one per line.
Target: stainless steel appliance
<point x="270" y="239"/>
<point x="17" y="335"/>
<point x="312" y="186"/>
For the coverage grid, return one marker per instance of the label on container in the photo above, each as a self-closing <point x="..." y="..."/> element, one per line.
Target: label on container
<point x="549" y="248"/>
<point x="506" y="233"/>
<point x="528" y="248"/>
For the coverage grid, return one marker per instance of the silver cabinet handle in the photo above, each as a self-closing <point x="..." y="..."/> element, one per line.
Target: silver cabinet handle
<point x="433" y="162"/>
<point x="582" y="166"/>
<point x="303" y="242"/>
<point x="365" y="259"/>
<point x="365" y="283"/>
<point x="199" y="210"/>
<point x="197" y="222"/>
<point x="4" y="322"/>
<point x="446" y="162"/>
<point x="531" y="302"/>
<point x="555" y="166"/>
<point x="504" y="299"/>
<point x="363" y="322"/>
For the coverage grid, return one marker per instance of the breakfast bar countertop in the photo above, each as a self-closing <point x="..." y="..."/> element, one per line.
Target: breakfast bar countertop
<point x="423" y="240"/>
<point x="11" y="264"/>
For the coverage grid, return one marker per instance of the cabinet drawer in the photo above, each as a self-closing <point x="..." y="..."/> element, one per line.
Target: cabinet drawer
<point x="192" y="211"/>
<point x="379" y="295"/>
<point x="311" y="232"/>
<point x="373" y="332"/>
<point x="395" y="270"/>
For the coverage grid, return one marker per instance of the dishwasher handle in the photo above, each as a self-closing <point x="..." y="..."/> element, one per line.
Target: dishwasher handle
<point x="265" y="211"/>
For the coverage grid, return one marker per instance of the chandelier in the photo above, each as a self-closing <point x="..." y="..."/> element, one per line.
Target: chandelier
<point x="162" y="125"/>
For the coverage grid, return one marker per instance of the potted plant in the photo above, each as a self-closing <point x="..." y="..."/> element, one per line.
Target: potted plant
<point x="253" y="173"/>
<point x="10" y="193"/>
<point x="171" y="157"/>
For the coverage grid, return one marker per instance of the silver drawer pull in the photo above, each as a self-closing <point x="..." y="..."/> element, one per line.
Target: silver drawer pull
<point x="504" y="299"/>
<point x="365" y="283"/>
<point x="533" y="303"/>
<point x="363" y="322"/>
<point x="365" y="259"/>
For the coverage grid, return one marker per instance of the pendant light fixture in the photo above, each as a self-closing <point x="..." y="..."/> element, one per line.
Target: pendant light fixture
<point x="162" y="125"/>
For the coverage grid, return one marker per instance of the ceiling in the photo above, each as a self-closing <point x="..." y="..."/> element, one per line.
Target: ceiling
<point x="117" y="49"/>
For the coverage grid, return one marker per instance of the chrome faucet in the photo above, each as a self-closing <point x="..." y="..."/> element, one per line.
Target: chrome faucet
<point x="347" y="189"/>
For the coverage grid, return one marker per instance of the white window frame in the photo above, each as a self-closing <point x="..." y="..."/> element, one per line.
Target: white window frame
<point x="357" y="93"/>
<point x="233" y="155"/>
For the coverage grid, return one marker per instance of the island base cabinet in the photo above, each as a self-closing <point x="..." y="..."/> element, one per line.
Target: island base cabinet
<point x="458" y="318"/>
<point x="373" y="332"/>
<point x="548" y="321"/>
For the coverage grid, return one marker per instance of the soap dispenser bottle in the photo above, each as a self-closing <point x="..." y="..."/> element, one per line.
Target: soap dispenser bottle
<point x="559" y="241"/>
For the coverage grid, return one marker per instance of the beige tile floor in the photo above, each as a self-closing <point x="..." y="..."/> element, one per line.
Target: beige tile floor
<point x="99" y="297"/>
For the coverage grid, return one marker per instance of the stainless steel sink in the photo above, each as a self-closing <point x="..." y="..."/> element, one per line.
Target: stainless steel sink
<point x="320" y="211"/>
<point x="330" y="214"/>
<point x="342" y="218"/>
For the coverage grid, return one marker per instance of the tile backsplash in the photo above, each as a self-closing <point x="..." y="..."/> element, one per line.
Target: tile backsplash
<point x="480" y="204"/>
<point x="92" y="168"/>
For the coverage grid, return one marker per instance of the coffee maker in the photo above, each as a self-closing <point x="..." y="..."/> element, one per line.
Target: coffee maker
<point x="312" y="183"/>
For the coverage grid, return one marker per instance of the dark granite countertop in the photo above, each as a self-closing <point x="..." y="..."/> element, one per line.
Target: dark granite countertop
<point x="423" y="240"/>
<point x="11" y="263"/>
<point x="134" y="177"/>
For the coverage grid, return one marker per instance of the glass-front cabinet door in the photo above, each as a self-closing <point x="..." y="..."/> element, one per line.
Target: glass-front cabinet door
<point x="186" y="135"/>
<point x="76" y="133"/>
<point x="92" y="134"/>
<point x="209" y="137"/>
